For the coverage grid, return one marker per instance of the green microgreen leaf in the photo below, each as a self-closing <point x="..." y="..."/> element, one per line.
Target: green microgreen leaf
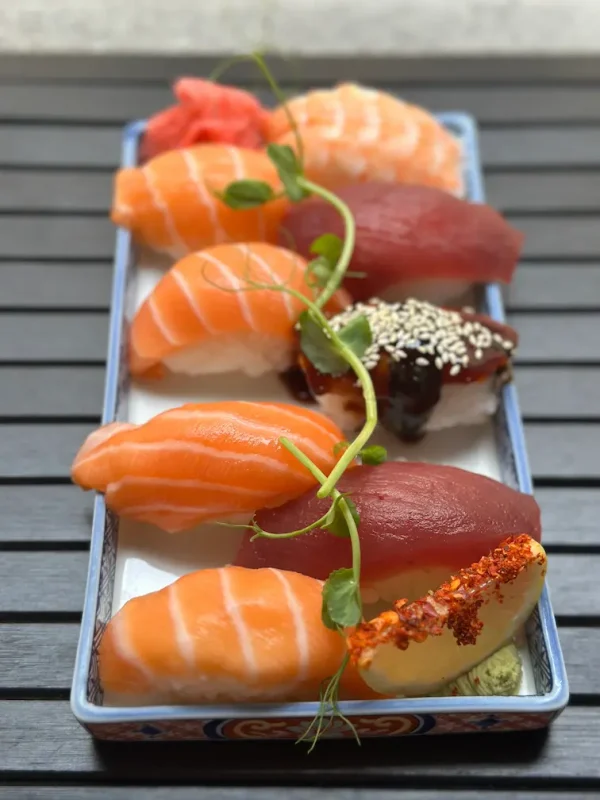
<point x="318" y="272"/>
<point x="373" y="455"/>
<point x="336" y="523"/>
<point x="288" y="169"/>
<point x="241" y="195"/>
<point x="341" y="600"/>
<point x="318" y="347"/>
<point x="329" y="246"/>
<point x="356" y="335"/>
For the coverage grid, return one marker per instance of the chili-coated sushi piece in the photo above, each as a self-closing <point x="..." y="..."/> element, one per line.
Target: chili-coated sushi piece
<point x="419" y="522"/>
<point x="203" y="317"/>
<point x="416" y="648"/>
<point x="169" y="203"/>
<point x="205" y="462"/>
<point x="412" y="241"/>
<point x="432" y="368"/>
<point x="352" y="133"/>
<point x="224" y="635"/>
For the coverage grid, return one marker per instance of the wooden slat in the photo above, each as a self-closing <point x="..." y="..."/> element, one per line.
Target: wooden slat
<point x="386" y="70"/>
<point x="43" y="285"/>
<point x="52" y="391"/>
<point x="552" y="392"/>
<point x="551" y="286"/>
<point x="32" y="237"/>
<point x="54" y="582"/>
<point x="120" y="104"/>
<point x="113" y="792"/>
<point x="540" y="147"/>
<point x="45" y="737"/>
<point x="53" y="337"/>
<point x="84" y="285"/>
<point x="539" y="191"/>
<point x="27" y="649"/>
<point x="39" y="451"/>
<point x="564" y="451"/>
<point x="559" y="238"/>
<point x="568" y="337"/>
<point x="64" y="514"/>
<point x="53" y="514"/>
<point x="569" y="516"/>
<point x="545" y="392"/>
<point x="30" y="191"/>
<point x="88" y="147"/>
<point x="87" y="191"/>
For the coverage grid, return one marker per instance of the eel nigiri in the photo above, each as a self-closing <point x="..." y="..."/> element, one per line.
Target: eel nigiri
<point x="412" y="241"/>
<point x="205" y="112"/>
<point x="204" y="462"/>
<point x="416" y="648"/>
<point x="419" y="522"/>
<point x="224" y="635"/>
<point x="352" y="134"/>
<point x="169" y="204"/>
<point x="203" y="317"/>
<point x="431" y="368"/>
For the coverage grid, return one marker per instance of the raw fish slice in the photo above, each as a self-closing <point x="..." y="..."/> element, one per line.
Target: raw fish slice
<point x="224" y="635"/>
<point x="354" y="134"/>
<point x="407" y="235"/>
<point x="418" y="523"/>
<point x="431" y="368"/>
<point x="202" y="462"/>
<point x="193" y="322"/>
<point x="169" y="203"/>
<point x="418" y="647"/>
<point x="206" y="112"/>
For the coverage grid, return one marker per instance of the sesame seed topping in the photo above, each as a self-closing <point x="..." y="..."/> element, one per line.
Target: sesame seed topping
<point x="424" y="328"/>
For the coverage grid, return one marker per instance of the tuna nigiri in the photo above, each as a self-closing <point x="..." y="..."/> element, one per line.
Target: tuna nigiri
<point x="169" y="204"/>
<point x="204" y="462"/>
<point x="352" y="134"/>
<point x="205" y="112"/>
<point x="418" y="523"/>
<point x="201" y="318"/>
<point x="224" y="635"/>
<point x="431" y="368"/>
<point x="412" y="241"/>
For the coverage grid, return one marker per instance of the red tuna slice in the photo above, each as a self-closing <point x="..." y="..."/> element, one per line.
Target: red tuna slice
<point x="207" y="112"/>
<point x="408" y="233"/>
<point x="417" y="521"/>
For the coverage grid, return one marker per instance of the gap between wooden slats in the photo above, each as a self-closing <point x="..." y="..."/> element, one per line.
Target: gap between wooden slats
<point x="42" y="739"/>
<point x="114" y="792"/>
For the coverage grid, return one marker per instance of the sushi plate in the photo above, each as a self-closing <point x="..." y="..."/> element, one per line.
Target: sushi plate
<point x="128" y="559"/>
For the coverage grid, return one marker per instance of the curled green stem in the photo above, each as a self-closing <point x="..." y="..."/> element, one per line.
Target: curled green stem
<point x="338" y="273"/>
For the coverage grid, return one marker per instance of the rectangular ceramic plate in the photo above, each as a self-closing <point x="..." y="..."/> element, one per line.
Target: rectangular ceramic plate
<point x="128" y="559"/>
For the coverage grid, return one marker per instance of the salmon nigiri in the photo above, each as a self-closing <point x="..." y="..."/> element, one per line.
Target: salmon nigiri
<point x="169" y="204"/>
<point x="204" y="462"/>
<point x="202" y="318"/>
<point x="352" y="134"/>
<point x="412" y="241"/>
<point x="224" y="635"/>
<point x="418" y="523"/>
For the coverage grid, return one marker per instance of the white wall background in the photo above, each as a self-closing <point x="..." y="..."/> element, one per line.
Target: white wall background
<point x="301" y="26"/>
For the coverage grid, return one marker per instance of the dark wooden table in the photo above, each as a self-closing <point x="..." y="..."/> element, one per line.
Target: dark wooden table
<point x="60" y="121"/>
